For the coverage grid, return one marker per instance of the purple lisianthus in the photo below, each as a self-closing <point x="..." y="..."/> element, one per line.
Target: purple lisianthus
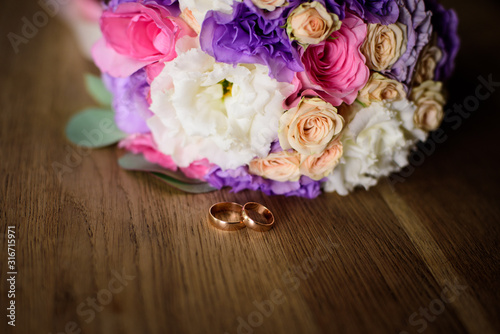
<point x="419" y="29"/>
<point x="445" y="23"/>
<point x="335" y="7"/>
<point x="374" y="11"/>
<point x="129" y="101"/>
<point x="239" y="179"/>
<point x="246" y="37"/>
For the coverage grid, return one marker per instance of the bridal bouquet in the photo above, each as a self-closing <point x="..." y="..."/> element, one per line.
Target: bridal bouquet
<point x="287" y="97"/>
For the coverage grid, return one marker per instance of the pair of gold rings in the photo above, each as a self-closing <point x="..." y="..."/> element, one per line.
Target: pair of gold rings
<point x="233" y="216"/>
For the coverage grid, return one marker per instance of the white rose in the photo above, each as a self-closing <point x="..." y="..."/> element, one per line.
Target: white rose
<point x="204" y="109"/>
<point x="376" y="143"/>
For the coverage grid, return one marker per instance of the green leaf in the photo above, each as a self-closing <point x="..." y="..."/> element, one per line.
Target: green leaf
<point x="98" y="90"/>
<point x="94" y="128"/>
<point x="362" y="104"/>
<point x="177" y="179"/>
<point x="137" y="162"/>
<point x="199" y="188"/>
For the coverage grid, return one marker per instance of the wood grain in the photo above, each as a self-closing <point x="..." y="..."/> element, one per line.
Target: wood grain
<point x="359" y="264"/>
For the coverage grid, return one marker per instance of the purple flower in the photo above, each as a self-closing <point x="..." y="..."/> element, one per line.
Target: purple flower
<point x="335" y="7"/>
<point x="239" y="179"/>
<point x="129" y="101"/>
<point x="374" y="11"/>
<point x="419" y="29"/>
<point x="445" y="23"/>
<point x="246" y="37"/>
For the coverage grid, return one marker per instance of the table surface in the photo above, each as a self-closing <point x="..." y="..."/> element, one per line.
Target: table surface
<point x="102" y="250"/>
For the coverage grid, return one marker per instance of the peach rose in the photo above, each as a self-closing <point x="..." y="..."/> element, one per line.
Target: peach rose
<point x="310" y="127"/>
<point x="430" y="101"/>
<point x="188" y="17"/>
<point x="384" y="45"/>
<point x="269" y="5"/>
<point x="319" y="166"/>
<point x="380" y="88"/>
<point x="280" y="166"/>
<point x="311" y="23"/>
<point x="426" y="67"/>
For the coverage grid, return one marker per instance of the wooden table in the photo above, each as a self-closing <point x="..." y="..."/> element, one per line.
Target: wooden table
<point x="102" y="250"/>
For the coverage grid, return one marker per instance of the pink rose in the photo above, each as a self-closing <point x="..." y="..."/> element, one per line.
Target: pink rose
<point x="335" y="69"/>
<point x="137" y="35"/>
<point x="197" y="169"/>
<point x="145" y="145"/>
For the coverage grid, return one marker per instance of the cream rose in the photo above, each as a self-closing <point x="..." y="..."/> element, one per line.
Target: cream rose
<point x="309" y="127"/>
<point x="380" y="88"/>
<point x="279" y="166"/>
<point x="319" y="166"/>
<point x="384" y="45"/>
<point x="269" y="5"/>
<point x="430" y="101"/>
<point x="311" y="23"/>
<point x="426" y="67"/>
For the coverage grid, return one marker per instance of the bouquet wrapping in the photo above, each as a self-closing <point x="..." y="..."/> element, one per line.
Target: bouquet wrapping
<point x="286" y="97"/>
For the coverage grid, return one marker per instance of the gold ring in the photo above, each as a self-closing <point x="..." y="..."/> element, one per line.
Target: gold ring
<point x="257" y="217"/>
<point x="226" y="216"/>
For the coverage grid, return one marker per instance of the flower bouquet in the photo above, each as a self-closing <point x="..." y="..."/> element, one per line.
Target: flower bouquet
<point x="287" y="97"/>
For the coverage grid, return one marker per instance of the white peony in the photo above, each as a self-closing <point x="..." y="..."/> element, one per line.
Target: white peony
<point x="204" y="109"/>
<point x="376" y="143"/>
<point x="200" y="8"/>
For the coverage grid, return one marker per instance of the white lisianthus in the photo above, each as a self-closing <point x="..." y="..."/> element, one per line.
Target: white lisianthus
<point x="405" y="110"/>
<point x="376" y="143"/>
<point x="204" y="109"/>
<point x="199" y="8"/>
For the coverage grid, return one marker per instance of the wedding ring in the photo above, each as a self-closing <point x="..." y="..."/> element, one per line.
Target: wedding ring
<point x="226" y="216"/>
<point x="257" y="217"/>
